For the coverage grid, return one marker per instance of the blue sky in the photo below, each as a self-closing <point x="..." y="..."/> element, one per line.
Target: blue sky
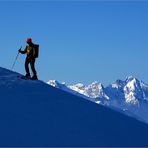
<point x="80" y="41"/>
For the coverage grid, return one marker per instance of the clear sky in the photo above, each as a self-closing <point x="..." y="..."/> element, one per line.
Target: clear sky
<point x="80" y="41"/>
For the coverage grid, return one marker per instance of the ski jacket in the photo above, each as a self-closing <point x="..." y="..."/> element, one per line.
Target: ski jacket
<point x="30" y="51"/>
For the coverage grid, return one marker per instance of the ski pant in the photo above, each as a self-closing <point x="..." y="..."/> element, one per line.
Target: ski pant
<point x="32" y="64"/>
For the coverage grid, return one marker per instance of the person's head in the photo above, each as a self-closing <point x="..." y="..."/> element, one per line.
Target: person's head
<point x="29" y="41"/>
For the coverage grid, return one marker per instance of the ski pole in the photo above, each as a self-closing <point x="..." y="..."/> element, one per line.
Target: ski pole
<point x="16" y="58"/>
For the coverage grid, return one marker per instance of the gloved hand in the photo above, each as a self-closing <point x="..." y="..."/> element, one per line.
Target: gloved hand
<point x="20" y="49"/>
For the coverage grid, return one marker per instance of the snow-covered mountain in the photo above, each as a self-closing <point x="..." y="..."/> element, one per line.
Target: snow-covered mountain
<point x="34" y="114"/>
<point x="129" y="95"/>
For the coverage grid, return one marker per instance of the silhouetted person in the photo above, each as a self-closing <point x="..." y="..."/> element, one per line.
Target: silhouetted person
<point x="30" y="59"/>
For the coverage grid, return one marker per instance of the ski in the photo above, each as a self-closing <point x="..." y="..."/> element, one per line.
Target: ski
<point x="25" y="78"/>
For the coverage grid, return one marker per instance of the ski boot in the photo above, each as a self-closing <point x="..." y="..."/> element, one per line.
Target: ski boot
<point x="34" y="77"/>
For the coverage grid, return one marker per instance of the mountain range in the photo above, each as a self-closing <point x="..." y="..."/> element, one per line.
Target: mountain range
<point x="129" y="96"/>
<point x="35" y="114"/>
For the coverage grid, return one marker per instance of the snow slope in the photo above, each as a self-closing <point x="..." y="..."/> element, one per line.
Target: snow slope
<point x="33" y="113"/>
<point x="129" y="96"/>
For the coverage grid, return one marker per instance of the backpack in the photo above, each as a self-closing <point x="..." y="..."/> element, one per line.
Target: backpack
<point x="36" y="47"/>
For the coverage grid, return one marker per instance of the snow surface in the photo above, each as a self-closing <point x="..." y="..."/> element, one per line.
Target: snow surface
<point x="129" y="96"/>
<point x="35" y="114"/>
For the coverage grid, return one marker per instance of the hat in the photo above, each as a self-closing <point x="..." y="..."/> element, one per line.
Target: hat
<point x="28" y="40"/>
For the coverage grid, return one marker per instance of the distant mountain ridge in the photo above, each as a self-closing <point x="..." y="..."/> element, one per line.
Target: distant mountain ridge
<point x="129" y="95"/>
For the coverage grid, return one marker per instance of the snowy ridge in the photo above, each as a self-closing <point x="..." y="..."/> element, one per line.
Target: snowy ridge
<point x="129" y="95"/>
<point x="35" y="114"/>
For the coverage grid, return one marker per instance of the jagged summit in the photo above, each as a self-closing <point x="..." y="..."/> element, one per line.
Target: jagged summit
<point x="54" y="83"/>
<point x="118" y="84"/>
<point x="130" y="78"/>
